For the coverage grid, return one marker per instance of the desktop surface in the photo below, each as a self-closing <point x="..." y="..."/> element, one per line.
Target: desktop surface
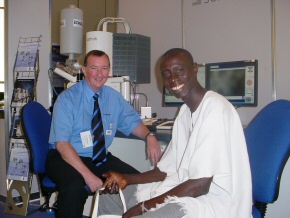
<point x="158" y="123"/>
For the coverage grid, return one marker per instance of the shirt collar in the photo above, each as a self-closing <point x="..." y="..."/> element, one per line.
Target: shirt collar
<point x="89" y="93"/>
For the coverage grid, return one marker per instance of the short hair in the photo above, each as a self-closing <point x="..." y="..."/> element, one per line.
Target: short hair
<point x="97" y="53"/>
<point x="175" y="51"/>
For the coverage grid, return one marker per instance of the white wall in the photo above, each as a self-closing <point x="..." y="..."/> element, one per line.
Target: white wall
<point x="161" y="21"/>
<point x="281" y="207"/>
<point x="29" y="18"/>
<point x="3" y="191"/>
<point x="221" y="30"/>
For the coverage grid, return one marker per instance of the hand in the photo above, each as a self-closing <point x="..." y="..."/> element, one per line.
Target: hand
<point x="114" y="182"/>
<point x="111" y="188"/>
<point x="153" y="150"/>
<point x="93" y="182"/>
<point x="133" y="211"/>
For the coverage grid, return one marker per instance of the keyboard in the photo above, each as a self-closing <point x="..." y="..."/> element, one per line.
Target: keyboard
<point x="165" y="125"/>
<point x="150" y="123"/>
<point x="157" y="123"/>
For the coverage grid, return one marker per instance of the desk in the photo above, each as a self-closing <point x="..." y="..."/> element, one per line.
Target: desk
<point x="132" y="150"/>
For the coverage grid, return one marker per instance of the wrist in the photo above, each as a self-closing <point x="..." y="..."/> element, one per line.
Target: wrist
<point x="148" y="135"/>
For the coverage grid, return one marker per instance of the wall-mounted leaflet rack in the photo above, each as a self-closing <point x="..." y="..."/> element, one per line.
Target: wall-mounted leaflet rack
<point x="25" y="76"/>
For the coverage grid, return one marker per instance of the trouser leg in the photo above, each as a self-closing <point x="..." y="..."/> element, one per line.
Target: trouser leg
<point x="115" y="164"/>
<point x="111" y="203"/>
<point x="171" y="210"/>
<point x="72" y="195"/>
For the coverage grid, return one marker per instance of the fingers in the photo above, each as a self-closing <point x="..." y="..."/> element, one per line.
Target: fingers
<point x="114" y="188"/>
<point x="154" y="158"/>
<point x="153" y="161"/>
<point x="111" y="188"/>
<point x="95" y="188"/>
<point x="106" y="175"/>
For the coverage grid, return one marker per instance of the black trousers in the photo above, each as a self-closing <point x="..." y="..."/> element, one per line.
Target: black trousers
<point x="70" y="184"/>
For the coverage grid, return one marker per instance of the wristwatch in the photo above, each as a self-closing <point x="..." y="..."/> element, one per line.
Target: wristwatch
<point x="149" y="134"/>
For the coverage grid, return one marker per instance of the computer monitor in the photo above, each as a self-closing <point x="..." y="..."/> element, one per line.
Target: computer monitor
<point x="236" y="80"/>
<point x="169" y="100"/>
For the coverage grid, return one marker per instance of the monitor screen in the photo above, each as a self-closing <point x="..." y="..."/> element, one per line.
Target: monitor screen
<point x="169" y="100"/>
<point x="236" y="80"/>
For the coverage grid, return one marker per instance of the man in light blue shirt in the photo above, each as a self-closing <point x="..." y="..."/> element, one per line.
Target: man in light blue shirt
<point x="69" y="162"/>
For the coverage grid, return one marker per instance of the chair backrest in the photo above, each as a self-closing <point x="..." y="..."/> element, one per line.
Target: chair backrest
<point x="268" y="141"/>
<point x="35" y="121"/>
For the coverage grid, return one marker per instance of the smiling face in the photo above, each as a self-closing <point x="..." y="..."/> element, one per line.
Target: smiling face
<point x="179" y="74"/>
<point x="96" y="71"/>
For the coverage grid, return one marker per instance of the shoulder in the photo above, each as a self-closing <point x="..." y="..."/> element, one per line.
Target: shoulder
<point x="217" y="107"/>
<point x="71" y="95"/>
<point x="112" y="93"/>
<point x="216" y="102"/>
<point x="109" y="89"/>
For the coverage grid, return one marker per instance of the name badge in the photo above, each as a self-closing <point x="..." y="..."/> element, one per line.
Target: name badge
<point x="108" y="132"/>
<point x="87" y="139"/>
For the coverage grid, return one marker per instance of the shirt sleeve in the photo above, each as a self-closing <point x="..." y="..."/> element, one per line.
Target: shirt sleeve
<point x="129" y="119"/>
<point x="61" y="125"/>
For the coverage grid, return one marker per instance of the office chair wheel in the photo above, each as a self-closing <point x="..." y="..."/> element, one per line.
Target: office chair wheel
<point x="50" y="211"/>
<point x="45" y="208"/>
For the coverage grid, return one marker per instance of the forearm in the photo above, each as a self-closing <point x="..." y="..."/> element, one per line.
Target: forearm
<point x="141" y="131"/>
<point x="154" y="175"/>
<point x="153" y="148"/>
<point x="191" y="188"/>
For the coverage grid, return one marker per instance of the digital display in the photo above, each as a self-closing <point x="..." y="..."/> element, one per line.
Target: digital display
<point x="236" y="80"/>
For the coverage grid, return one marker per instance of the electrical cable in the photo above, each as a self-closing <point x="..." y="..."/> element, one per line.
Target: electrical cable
<point x="145" y="98"/>
<point x="50" y="77"/>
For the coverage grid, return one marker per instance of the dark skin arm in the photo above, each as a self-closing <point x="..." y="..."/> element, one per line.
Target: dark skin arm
<point x="117" y="180"/>
<point x="189" y="188"/>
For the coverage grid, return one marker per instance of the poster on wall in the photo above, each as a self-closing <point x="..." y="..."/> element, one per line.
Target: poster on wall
<point x="18" y="166"/>
<point x="16" y="131"/>
<point x="26" y="57"/>
<point x="23" y="92"/>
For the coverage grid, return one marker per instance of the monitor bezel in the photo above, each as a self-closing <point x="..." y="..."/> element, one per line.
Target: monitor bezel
<point x="235" y="64"/>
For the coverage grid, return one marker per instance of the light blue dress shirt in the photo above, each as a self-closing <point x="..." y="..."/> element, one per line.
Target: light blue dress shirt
<point x="73" y="110"/>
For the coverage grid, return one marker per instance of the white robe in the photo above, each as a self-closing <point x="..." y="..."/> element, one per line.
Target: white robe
<point x="208" y="142"/>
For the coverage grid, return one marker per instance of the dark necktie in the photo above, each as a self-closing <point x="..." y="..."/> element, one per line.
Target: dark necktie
<point x="99" y="149"/>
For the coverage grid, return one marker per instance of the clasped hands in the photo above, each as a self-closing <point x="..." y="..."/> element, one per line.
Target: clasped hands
<point x="114" y="182"/>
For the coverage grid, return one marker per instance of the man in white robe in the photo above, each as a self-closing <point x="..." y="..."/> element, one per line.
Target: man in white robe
<point x="205" y="170"/>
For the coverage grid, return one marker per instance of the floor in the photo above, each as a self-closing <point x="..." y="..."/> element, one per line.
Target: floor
<point x="33" y="212"/>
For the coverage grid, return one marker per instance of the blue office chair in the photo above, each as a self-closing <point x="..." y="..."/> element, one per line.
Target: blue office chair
<point x="268" y="141"/>
<point x="35" y="121"/>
